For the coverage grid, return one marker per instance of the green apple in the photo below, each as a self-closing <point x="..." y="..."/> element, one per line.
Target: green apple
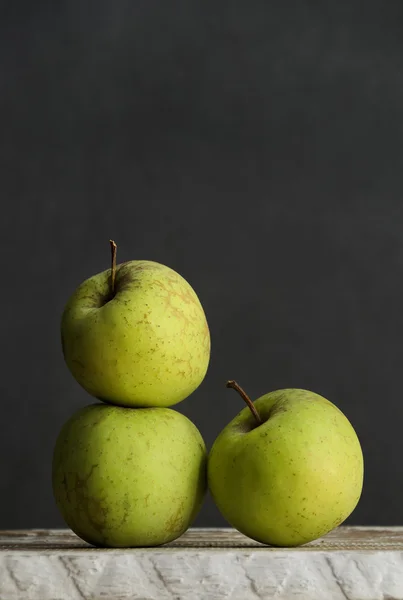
<point x="136" y="335"/>
<point x="289" y="473"/>
<point x="129" y="477"/>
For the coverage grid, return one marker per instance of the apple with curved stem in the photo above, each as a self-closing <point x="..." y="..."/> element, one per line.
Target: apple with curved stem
<point x="136" y="335"/>
<point x="287" y="469"/>
<point x="129" y="477"/>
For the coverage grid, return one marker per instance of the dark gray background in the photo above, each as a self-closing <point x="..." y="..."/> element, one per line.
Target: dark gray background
<point x="255" y="147"/>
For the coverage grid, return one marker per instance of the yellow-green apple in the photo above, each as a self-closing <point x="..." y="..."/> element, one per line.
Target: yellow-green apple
<point x="136" y="335"/>
<point x="288" y="469"/>
<point x="129" y="477"/>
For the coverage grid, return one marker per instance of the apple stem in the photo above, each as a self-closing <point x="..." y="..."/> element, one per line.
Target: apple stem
<point x="235" y="386"/>
<point x="113" y="269"/>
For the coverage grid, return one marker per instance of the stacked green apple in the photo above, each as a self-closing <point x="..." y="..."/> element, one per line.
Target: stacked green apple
<point x="128" y="471"/>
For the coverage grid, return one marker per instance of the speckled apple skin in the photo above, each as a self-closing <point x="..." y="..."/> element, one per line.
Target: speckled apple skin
<point x="292" y="479"/>
<point x="129" y="477"/>
<point x="149" y="345"/>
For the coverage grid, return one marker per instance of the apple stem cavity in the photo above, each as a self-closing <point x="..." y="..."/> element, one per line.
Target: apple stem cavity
<point x="113" y="269"/>
<point x="235" y="386"/>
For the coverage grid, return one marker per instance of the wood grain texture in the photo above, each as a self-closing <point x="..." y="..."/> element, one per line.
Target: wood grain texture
<point x="353" y="563"/>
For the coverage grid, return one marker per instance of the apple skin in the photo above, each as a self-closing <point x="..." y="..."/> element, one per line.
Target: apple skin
<point x="292" y="479"/>
<point x="129" y="477"/>
<point x="148" y="345"/>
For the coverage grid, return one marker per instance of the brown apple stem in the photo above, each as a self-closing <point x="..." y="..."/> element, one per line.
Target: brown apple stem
<point x="233" y="384"/>
<point x="113" y="269"/>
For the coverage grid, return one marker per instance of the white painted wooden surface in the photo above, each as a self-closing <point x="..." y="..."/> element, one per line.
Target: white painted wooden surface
<point x="205" y="564"/>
